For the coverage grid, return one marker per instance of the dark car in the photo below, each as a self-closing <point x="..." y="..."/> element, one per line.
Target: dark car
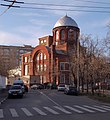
<point x="20" y="82"/>
<point x="71" y="90"/>
<point x="15" y="91"/>
<point x="40" y="86"/>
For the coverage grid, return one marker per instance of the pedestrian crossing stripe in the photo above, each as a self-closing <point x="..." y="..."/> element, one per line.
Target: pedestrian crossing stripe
<point x="51" y="110"/>
<point x="1" y="113"/>
<point x="108" y="109"/>
<point x="27" y="112"/>
<point x="57" y="110"/>
<point x="62" y="109"/>
<point x="39" y="111"/>
<point x="73" y="109"/>
<point x="83" y="108"/>
<point x="94" y="108"/>
<point x="13" y="112"/>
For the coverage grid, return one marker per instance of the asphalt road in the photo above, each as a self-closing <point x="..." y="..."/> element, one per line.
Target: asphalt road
<point x="51" y="104"/>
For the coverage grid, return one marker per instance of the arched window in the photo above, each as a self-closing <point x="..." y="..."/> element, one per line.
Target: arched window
<point x="57" y="35"/>
<point x="38" y="57"/>
<point x="44" y="56"/>
<point x="41" y="56"/>
<point x="62" y="34"/>
<point x="45" y="67"/>
<point x="71" y="34"/>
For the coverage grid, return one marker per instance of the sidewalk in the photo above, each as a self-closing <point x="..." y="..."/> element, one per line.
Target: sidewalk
<point x="3" y="95"/>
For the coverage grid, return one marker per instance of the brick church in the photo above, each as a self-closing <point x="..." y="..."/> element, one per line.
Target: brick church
<point x="50" y="61"/>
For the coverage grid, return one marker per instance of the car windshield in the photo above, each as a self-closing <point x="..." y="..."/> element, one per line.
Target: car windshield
<point x="16" y="87"/>
<point x="72" y="88"/>
<point x="61" y="85"/>
<point x="18" y="84"/>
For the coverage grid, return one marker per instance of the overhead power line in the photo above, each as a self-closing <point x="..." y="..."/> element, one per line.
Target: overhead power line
<point x="90" y="1"/>
<point x="8" y="7"/>
<point x="63" y="5"/>
<point x="59" y="9"/>
<point x="93" y="1"/>
<point x="79" y="10"/>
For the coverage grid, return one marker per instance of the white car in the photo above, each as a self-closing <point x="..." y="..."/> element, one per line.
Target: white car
<point x="34" y="87"/>
<point x="61" y="87"/>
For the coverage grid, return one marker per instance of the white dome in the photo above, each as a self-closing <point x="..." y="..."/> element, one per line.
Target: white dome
<point x="65" y="21"/>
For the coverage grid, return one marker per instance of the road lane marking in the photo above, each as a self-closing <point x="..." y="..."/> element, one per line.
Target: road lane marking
<point x="51" y="110"/>
<point x="39" y="111"/>
<point x="71" y="108"/>
<point x="1" y="113"/>
<point x="106" y="106"/>
<point x="51" y="100"/>
<point x="94" y="108"/>
<point x="13" y="112"/>
<point x="88" y="110"/>
<point x="62" y="109"/>
<point x="108" y="109"/>
<point x="27" y="112"/>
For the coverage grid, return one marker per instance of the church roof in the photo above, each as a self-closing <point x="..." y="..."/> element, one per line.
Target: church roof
<point x="65" y="21"/>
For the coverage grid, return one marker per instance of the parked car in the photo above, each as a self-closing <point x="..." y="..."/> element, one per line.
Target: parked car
<point x="34" y="87"/>
<point x="61" y="87"/>
<point x="38" y="86"/>
<point x="15" y="91"/>
<point x="71" y="90"/>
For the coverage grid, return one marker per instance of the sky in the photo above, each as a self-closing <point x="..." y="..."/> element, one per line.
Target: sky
<point x="23" y="26"/>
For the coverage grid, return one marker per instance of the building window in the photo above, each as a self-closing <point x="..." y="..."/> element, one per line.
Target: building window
<point x="41" y="56"/>
<point x="25" y="59"/>
<point x="75" y="36"/>
<point x="44" y="56"/>
<point x="41" y="67"/>
<point x="41" y="41"/>
<point x="6" y="51"/>
<point x="64" y="66"/>
<point x="21" y="51"/>
<point x="44" y="79"/>
<point x="62" y="34"/>
<point x="62" y="42"/>
<point x="29" y="59"/>
<point x="56" y="43"/>
<point x="45" y="41"/>
<point x="71" y="34"/>
<point x="62" y="78"/>
<point x="57" y="35"/>
<point x="45" y="67"/>
<point x="37" y="67"/>
<point x="26" y="70"/>
<point x="38" y="57"/>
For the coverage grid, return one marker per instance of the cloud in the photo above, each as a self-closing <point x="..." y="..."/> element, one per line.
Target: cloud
<point x="7" y="38"/>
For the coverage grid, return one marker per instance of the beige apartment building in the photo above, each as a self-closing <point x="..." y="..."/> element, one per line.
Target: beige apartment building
<point x="10" y="56"/>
